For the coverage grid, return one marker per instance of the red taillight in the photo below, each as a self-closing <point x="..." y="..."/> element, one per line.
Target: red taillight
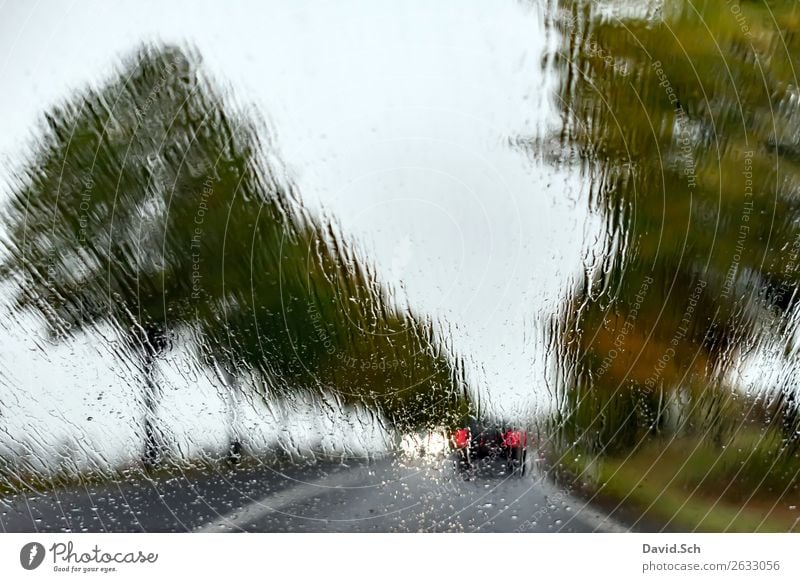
<point x="461" y="438"/>
<point x="515" y="438"/>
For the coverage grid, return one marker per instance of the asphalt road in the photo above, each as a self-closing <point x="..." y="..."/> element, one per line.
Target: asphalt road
<point x="392" y="494"/>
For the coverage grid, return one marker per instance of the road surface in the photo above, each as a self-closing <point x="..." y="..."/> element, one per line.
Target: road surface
<point x="391" y="494"/>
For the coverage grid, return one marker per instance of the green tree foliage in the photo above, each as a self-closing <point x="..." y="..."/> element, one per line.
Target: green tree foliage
<point x="685" y="121"/>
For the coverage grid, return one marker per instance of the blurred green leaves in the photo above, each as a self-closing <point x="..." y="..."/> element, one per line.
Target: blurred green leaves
<point x="685" y="122"/>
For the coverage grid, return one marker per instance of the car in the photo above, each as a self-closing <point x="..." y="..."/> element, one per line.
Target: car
<point x="474" y="443"/>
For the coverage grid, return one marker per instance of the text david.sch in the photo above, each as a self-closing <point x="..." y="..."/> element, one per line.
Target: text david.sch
<point x="671" y="549"/>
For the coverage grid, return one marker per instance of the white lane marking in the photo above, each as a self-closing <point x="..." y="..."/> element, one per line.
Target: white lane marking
<point x="594" y="518"/>
<point x="275" y="503"/>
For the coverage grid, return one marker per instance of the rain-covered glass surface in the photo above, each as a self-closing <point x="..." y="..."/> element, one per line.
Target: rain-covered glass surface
<point x="461" y="266"/>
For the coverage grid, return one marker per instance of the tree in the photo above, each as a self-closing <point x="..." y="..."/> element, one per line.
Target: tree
<point x="93" y="237"/>
<point x="685" y="122"/>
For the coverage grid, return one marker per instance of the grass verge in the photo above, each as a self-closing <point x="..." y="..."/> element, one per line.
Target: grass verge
<point x="688" y="484"/>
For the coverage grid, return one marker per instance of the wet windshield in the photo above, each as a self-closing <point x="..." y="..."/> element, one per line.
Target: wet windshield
<point x="516" y="266"/>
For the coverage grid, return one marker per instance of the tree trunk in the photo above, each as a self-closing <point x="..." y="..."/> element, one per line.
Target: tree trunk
<point x="152" y="344"/>
<point x="232" y="412"/>
<point x="153" y="436"/>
